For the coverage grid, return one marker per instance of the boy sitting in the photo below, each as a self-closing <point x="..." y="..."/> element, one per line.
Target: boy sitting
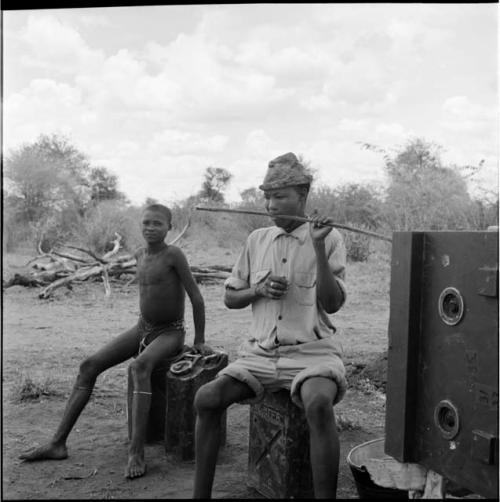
<point x="164" y="277"/>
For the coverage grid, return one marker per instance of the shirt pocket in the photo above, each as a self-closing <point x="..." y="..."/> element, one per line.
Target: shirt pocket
<point x="259" y="276"/>
<point x="305" y="288"/>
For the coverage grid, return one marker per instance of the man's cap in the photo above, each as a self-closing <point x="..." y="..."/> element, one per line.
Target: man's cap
<point x="285" y="171"/>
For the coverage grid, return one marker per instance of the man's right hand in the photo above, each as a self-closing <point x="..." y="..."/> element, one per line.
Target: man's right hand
<point x="274" y="287"/>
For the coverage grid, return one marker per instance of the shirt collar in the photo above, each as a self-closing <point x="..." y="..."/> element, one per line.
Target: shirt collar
<point x="300" y="233"/>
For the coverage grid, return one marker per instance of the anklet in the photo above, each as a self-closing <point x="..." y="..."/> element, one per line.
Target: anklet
<point x="141" y="392"/>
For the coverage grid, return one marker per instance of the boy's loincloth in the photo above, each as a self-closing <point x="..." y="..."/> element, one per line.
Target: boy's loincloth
<point x="148" y="330"/>
<point x="288" y="366"/>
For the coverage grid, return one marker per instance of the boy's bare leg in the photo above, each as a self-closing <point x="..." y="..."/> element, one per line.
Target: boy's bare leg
<point x="210" y="402"/>
<point x="162" y="347"/>
<point x="118" y="350"/>
<point x="317" y="395"/>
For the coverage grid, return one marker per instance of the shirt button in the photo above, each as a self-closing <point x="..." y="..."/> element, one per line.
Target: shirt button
<point x="279" y="317"/>
<point x="284" y="260"/>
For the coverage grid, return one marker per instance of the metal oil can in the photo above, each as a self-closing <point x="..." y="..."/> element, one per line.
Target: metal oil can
<point x="278" y="457"/>
<point x="181" y="387"/>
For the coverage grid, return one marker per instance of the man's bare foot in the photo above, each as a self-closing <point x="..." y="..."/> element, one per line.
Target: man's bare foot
<point x="48" y="451"/>
<point x="136" y="466"/>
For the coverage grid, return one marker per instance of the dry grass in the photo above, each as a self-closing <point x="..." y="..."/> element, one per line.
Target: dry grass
<point x="347" y="423"/>
<point x="28" y="389"/>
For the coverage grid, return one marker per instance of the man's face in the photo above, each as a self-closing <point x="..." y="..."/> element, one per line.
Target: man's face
<point x="284" y="201"/>
<point x="155" y="226"/>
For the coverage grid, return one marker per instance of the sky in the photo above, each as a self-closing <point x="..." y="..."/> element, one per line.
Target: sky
<point x="156" y="94"/>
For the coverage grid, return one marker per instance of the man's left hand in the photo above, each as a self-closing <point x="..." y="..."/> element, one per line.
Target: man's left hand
<point x="317" y="227"/>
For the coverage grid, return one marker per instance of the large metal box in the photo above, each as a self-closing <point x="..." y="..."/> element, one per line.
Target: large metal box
<point x="442" y="377"/>
<point x="278" y="453"/>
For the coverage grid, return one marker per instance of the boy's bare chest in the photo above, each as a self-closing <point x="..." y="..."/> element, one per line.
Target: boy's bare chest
<point x="155" y="270"/>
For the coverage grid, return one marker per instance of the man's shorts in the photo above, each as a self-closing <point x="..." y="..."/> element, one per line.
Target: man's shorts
<point x="287" y="366"/>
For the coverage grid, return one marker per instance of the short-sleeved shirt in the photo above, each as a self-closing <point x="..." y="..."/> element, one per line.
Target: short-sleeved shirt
<point x="298" y="316"/>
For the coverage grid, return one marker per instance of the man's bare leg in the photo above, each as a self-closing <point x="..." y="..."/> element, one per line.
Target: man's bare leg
<point x="317" y="395"/>
<point x="210" y="402"/>
<point x="118" y="350"/>
<point x="162" y="347"/>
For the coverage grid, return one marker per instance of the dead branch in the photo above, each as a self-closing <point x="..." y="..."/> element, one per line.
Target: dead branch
<point x="87" y="251"/>
<point x="80" y="275"/>
<point x="183" y="231"/>
<point x="105" y="281"/>
<point x="41" y="255"/>
<point x="211" y="269"/>
<point x="70" y="257"/>
<point x="201" y="276"/>
<point x="116" y="247"/>
<point x="39" y="247"/>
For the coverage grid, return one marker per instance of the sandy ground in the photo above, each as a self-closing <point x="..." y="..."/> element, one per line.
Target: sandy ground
<point x="47" y="339"/>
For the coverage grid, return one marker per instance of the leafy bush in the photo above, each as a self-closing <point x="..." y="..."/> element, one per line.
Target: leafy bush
<point x="357" y="245"/>
<point x="98" y="226"/>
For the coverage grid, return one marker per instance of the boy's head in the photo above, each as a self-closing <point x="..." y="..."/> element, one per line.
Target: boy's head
<point x="156" y="222"/>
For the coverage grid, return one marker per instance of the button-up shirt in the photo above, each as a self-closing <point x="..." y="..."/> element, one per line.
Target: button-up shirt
<point x="298" y="316"/>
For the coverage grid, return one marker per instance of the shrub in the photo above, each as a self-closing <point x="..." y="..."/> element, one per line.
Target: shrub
<point x="28" y="389"/>
<point x="98" y="226"/>
<point x="357" y="245"/>
<point x="345" y="423"/>
<point x="47" y="232"/>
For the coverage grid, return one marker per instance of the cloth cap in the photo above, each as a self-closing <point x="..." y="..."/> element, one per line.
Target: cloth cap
<point x="285" y="171"/>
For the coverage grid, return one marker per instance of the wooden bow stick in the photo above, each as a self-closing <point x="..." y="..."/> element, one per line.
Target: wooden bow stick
<point x="294" y="218"/>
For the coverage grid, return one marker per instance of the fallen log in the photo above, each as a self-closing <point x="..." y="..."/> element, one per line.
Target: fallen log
<point x="210" y="270"/>
<point x="210" y="276"/>
<point x="80" y="275"/>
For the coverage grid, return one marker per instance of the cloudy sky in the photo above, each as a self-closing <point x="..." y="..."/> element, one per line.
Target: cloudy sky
<point x="157" y="94"/>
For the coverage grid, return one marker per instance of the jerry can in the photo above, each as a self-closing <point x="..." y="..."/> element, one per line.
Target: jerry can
<point x="278" y="451"/>
<point x="183" y="379"/>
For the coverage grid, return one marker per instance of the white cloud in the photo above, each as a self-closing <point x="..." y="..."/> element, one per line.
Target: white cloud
<point x="176" y="142"/>
<point x="462" y="115"/>
<point x="239" y="84"/>
<point x="353" y="125"/>
<point x="318" y="102"/>
<point x="94" y="20"/>
<point x="45" y="105"/>
<point x="53" y="45"/>
<point x="391" y="132"/>
<point x="257" y="141"/>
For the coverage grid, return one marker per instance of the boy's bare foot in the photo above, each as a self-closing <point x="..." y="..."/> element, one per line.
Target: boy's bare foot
<point x="136" y="466"/>
<point x="48" y="451"/>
